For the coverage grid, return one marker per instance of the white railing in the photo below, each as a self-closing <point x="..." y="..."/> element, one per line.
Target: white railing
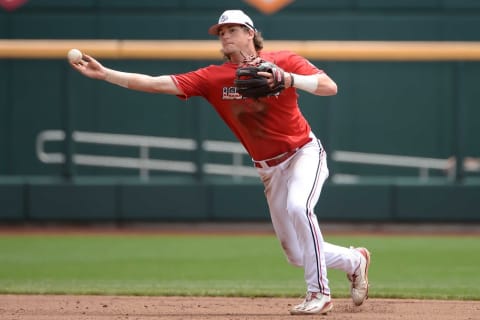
<point x="144" y="163"/>
<point x="237" y="169"/>
<point x="424" y="165"/>
<point x="236" y="150"/>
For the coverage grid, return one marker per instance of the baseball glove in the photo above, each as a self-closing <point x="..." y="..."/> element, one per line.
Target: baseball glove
<point x="250" y="84"/>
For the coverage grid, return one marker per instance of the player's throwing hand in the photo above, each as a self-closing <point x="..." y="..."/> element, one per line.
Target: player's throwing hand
<point x="90" y="67"/>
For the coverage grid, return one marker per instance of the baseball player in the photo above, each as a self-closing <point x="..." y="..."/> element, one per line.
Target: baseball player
<point x="255" y="93"/>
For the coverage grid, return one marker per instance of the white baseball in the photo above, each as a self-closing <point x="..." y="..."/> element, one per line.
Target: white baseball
<point x="74" y="55"/>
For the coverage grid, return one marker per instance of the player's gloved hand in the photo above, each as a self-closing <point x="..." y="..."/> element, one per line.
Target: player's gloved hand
<point x="260" y="80"/>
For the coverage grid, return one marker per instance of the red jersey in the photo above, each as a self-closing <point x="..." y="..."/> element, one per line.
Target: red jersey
<point x="266" y="127"/>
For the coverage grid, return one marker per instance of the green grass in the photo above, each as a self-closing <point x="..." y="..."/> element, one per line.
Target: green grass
<point x="417" y="267"/>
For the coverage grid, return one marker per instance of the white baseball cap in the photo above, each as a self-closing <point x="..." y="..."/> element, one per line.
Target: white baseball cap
<point x="232" y="17"/>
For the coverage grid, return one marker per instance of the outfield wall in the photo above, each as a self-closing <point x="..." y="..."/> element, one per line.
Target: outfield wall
<point x="389" y="107"/>
<point x="392" y="107"/>
<point x="182" y="201"/>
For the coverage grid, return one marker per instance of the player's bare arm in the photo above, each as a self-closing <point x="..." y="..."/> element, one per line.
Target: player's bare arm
<point x="319" y="84"/>
<point x="91" y="68"/>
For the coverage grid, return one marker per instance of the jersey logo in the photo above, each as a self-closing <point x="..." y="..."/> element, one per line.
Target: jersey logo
<point x="230" y="93"/>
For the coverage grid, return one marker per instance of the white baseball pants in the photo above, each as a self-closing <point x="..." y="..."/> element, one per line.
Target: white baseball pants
<point x="292" y="189"/>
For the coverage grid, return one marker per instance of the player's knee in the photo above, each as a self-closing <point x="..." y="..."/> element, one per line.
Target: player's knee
<point x="294" y="257"/>
<point x="297" y="262"/>
<point x="297" y="210"/>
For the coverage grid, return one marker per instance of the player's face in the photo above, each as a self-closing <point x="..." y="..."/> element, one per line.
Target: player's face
<point x="234" y="38"/>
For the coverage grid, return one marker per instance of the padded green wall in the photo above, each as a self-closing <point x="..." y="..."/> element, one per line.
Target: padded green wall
<point x="404" y="108"/>
<point x="397" y="108"/>
<point x="34" y="200"/>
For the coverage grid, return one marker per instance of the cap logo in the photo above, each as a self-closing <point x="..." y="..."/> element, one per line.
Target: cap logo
<point x="223" y="18"/>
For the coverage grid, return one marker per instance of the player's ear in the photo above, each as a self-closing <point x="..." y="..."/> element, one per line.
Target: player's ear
<point x="251" y="33"/>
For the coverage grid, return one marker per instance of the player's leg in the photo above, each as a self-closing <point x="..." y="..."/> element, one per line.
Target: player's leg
<point x="355" y="262"/>
<point x="307" y="172"/>
<point x="275" y="183"/>
<point x="341" y="258"/>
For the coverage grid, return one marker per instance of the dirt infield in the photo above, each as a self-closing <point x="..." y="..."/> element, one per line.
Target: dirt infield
<point x="41" y="307"/>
